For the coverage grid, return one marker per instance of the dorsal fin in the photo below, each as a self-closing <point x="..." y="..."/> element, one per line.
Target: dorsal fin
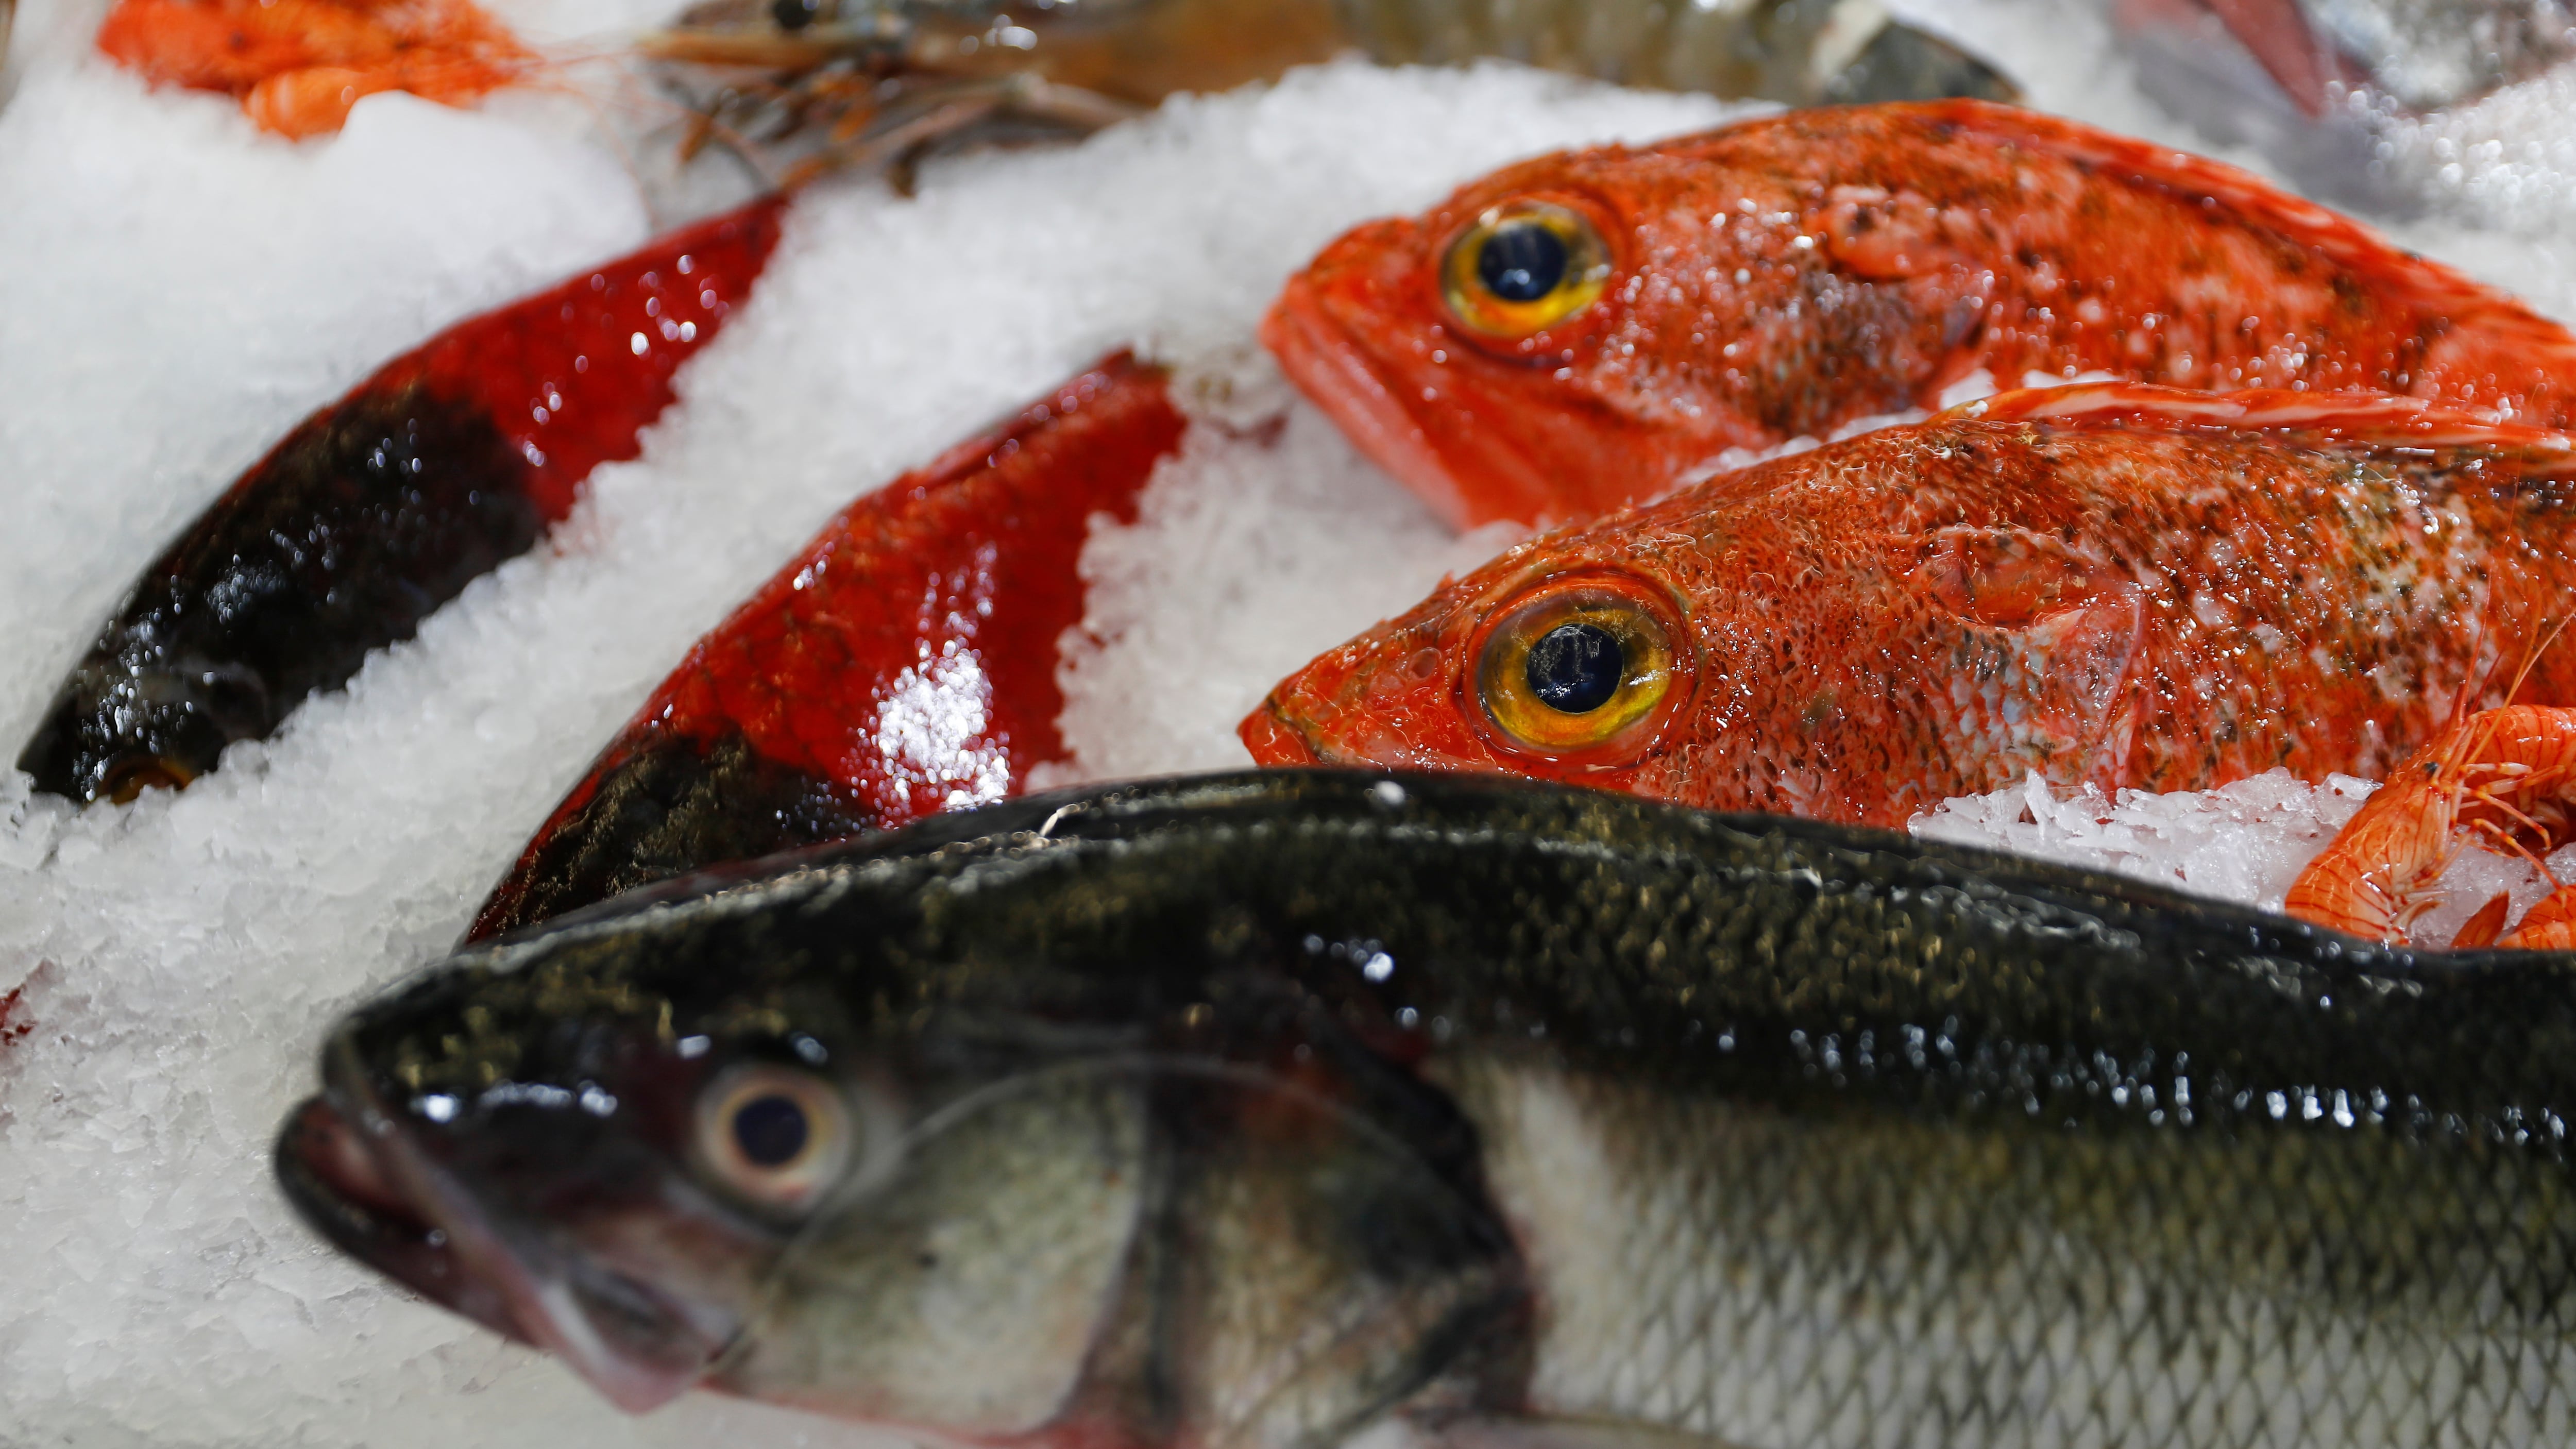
<point x="2371" y="419"/>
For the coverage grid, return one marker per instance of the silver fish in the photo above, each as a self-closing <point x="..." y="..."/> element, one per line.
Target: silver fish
<point x="1254" y="1110"/>
<point x="2396" y="105"/>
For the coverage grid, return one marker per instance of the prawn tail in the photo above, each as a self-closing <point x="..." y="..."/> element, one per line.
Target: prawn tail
<point x="903" y="664"/>
<point x="380" y="508"/>
<point x="2504" y="778"/>
<point x="2548" y="926"/>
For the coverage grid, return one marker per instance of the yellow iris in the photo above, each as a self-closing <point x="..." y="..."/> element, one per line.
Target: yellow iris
<point x="1581" y="668"/>
<point x="1524" y="266"/>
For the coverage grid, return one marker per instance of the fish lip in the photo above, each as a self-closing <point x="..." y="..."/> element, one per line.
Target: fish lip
<point x="335" y="1184"/>
<point x="504" y="1280"/>
<point x="1338" y="372"/>
<point x="1277" y="741"/>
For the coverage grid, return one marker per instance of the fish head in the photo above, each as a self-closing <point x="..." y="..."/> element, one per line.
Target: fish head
<point x="1582" y="331"/>
<point x="1571" y="657"/>
<point x="654" y="1180"/>
<point x="817" y="1148"/>
<point x="1853" y="633"/>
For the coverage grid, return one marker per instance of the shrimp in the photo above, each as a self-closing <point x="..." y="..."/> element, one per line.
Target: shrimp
<point x="879" y="83"/>
<point x="2507" y="775"/>
<point x="297" y="66"/>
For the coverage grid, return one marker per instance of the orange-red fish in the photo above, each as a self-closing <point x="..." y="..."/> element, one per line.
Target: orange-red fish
<point x="2117" y="584"/>
<point x="1592" y="328"/>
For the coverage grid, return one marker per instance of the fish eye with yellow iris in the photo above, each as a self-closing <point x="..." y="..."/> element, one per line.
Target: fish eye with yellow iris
<point x="1580" y="668"/>
<point x="1521" y="268"/>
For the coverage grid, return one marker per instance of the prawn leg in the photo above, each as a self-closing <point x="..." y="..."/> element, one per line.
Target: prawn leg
<point x="2505" y="778"/>
<point x="902" y="665"/>
<point x="383" y="506"/>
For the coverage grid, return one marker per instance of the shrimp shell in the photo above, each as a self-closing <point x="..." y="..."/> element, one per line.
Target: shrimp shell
<point x="2506" y="775"/>
<point x="858" y="84"/>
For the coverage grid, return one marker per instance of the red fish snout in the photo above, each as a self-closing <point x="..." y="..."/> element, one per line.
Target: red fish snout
<point x="1389" y="699"/>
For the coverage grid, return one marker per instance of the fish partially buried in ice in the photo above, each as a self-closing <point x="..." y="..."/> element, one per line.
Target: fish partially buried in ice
<point x="903" y="663"/>
<point x="383" y="506"/>
<point x="2390" y="103"/>
<point x="2112" y="584"/>
<point x="1251" y="1109"/>
<point x="1588" y="329"/>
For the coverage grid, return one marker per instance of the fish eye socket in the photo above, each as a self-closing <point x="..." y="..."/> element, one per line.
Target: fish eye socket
<point x="1577" y="669"/>
<point x="1523" y="266"/>
<point x="774" y="1136"/>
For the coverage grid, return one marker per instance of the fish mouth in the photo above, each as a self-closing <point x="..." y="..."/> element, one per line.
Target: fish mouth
<point x="342" y="1192"/>
<point x="1437" y="450"/>
<point x="361" y="1178"/>
<point x="1337" y="371"/>
<point x="1275" y="741"/>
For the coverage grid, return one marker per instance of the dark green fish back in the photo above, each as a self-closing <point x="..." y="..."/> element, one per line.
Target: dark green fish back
<point x="1806" y="1135"/>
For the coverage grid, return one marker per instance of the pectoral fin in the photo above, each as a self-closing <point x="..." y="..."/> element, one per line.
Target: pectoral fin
<point x="2042" y="646"/>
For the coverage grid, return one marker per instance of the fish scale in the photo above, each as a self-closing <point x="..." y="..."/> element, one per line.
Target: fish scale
<point x="1888" y="1299"/>
<point x="2020" y="586"/>
<point x="1794" y="275"/>
<point x="1533" y="1116"/>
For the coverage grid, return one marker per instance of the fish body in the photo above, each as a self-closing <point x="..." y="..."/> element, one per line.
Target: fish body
<point x="2422" y="54"/>
<point x="2111" y="584"/>
<point x="1250" y="1110"/>
<point x="902" y="664"/>
<point x="1793" y="275"/>
<point x="2394" y="105"/>
<point x="2415" y="56"/>
<point x="381" y="507"/>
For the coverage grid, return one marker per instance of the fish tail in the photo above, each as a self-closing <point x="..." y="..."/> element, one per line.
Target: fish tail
<point x="380" y="508"/>
<point x="901" y="665"/>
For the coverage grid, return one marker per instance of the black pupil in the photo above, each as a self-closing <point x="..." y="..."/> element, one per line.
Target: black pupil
<point x="795" y="14"/>
<point x="1575" y="668"/>
<point x="1521" y="262"/>
<point x="770" y="1130"/>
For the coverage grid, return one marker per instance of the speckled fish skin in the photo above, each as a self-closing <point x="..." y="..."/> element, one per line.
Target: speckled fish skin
<point x="2109" y="584"/>
<point x="1785" y="276"/>
<point x="1541" y="1116"/>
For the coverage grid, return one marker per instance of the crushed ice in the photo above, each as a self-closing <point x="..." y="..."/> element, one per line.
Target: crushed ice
<point x="178" y="290"/>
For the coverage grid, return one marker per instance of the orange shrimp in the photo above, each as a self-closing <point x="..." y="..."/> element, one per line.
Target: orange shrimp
<point x="297" y="66"/>
<point x="2507" y="775"/>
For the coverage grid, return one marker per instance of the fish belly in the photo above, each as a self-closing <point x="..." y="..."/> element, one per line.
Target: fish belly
<point x="1785" y="1276"/>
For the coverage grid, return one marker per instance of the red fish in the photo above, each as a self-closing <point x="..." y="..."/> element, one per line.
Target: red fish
<point x="1588" y="329"/>
<point x="902" y="665"/>
<point x="2117" y="584"/>
<point x="383" y="506"/>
